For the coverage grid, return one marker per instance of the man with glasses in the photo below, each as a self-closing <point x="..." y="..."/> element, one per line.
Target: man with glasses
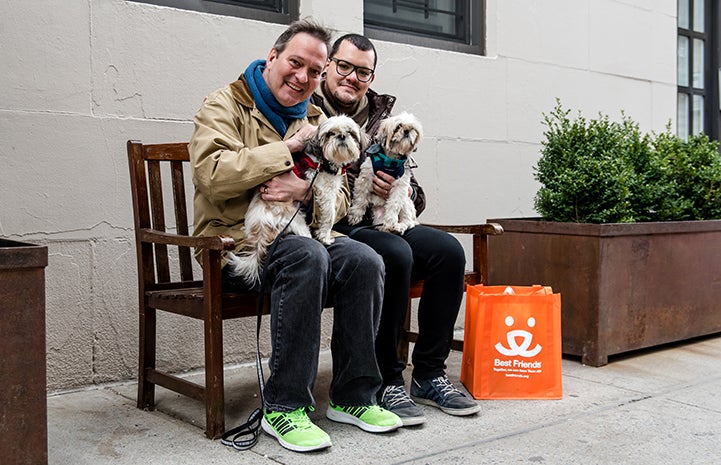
<point x="421" y="252"/>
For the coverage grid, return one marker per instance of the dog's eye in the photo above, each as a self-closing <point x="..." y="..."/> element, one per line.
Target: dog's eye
<point x="398" y="128"/>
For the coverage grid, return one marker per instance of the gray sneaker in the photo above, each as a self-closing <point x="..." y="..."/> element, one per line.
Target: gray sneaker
<point x="396" y="399"/>
<point x="439" y="392"/>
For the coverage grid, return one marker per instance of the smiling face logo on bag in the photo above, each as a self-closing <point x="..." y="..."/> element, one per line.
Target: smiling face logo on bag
<point x="512" y="344"/>
<point x="511" y="337"/>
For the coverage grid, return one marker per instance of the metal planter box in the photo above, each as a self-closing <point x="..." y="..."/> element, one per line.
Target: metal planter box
<point x="624" y="286"/>
<point x="23" y="403"/>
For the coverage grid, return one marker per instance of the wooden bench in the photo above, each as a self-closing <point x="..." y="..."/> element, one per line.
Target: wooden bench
<point x="167" y="281"/>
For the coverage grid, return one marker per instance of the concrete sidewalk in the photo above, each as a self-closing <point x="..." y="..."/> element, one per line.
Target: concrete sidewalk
<point x="661" y="406"/>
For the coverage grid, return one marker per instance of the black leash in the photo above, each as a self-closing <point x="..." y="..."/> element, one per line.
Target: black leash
<point x="244" y="436"/>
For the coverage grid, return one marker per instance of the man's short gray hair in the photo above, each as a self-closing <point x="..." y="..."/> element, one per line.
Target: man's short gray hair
<point x="306" y="26"/>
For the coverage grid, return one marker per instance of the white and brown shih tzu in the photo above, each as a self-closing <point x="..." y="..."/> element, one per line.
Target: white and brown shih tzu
<point x="337" y="142"/>
<point x="397" y="138"/>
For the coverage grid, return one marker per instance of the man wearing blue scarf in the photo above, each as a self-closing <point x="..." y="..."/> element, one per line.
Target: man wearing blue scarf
<point x="420" y="252"/>
<point x="244" y="138"/>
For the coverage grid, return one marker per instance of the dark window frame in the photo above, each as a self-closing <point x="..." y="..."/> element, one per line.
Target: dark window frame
<point x="713" y="71"/>
<point x="711" y="92"/>
<point x="473" y="29"/>
<point x="286" y="12"/>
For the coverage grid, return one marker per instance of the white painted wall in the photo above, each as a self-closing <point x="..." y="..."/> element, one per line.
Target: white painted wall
<point x="80" y="79"/>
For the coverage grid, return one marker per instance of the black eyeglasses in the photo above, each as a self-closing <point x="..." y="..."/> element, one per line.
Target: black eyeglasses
<point x="344" y="68"/>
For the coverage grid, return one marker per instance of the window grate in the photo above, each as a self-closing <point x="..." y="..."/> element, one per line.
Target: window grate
<point x="273" y="11"/>
<point x="450" y="24"/>
<point x="277" y="6"/>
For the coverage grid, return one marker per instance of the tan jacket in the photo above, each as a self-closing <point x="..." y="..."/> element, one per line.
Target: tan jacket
<point x="234" y="148"/>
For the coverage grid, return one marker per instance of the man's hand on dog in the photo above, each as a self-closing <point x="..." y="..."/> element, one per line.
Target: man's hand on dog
<point x="297" y="142"/>
<point x="382" y="183"/>
<point x="284" y="188"/>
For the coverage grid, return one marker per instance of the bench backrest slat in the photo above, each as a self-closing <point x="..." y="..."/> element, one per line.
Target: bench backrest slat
<point x="151" y="165"/>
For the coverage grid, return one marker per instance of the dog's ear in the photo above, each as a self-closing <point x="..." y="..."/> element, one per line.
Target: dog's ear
<point x="382" y="134"/>
<point x="313" y="145"/>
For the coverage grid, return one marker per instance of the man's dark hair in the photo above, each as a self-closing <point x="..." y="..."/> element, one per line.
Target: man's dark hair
<point x="360" y="42"/>
<point x="306" y="26"/>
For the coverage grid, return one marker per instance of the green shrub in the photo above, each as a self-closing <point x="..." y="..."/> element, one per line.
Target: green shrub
<point x="602" y="171"/>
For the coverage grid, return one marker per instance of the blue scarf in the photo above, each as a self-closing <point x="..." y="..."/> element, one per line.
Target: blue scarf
<point x="278" y="115"/>
<point x="382" y="162"/>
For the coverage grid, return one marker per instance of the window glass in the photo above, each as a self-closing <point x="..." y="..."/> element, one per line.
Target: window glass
<point x="682" y="61"/>
<point x="683" y="13"/>
<point x="698" y="63"/>
<point x="697" y="114"/>
<point x="682" y="116"/>
<point x="699" y="18"/>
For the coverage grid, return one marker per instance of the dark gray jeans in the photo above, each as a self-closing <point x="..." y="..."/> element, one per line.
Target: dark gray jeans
<point x="421" y="253"/>
<point x="304" y="277"/>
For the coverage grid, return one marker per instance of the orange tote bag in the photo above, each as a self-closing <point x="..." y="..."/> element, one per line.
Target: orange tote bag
<point x="512" y="343"/>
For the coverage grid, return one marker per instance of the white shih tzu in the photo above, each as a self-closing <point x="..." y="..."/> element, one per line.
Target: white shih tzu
<point x="337" y="142"/>
<point x="398" y="136"/>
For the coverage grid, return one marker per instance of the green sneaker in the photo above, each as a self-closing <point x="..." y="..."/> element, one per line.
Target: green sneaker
<point x="294" y="430"/>
<point x="371" y="418"/>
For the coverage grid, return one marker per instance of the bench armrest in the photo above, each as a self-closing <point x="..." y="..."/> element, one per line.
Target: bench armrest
<point x="202" y="242"/>
<point x="489" y="229"/>
<point x="480" y="233"/>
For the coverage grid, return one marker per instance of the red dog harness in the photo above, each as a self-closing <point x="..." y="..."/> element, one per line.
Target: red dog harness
<point x="304" y="162"/>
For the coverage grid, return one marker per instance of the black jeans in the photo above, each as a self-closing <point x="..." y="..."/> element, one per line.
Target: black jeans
<point x="303" y="278"/>
<point x="439" y="259"/>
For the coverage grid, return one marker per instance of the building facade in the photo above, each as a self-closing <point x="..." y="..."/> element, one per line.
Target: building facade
<point x="82" y="77"/>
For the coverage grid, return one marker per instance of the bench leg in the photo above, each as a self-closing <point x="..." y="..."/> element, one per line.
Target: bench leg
<point x="214" y="384"/>
<point x="403" y="343"/>
<point x="146" y="358"/>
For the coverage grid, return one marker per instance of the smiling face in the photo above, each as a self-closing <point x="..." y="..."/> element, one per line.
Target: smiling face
<point x="348" y="89"/>
<point x="294" y="74"/>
